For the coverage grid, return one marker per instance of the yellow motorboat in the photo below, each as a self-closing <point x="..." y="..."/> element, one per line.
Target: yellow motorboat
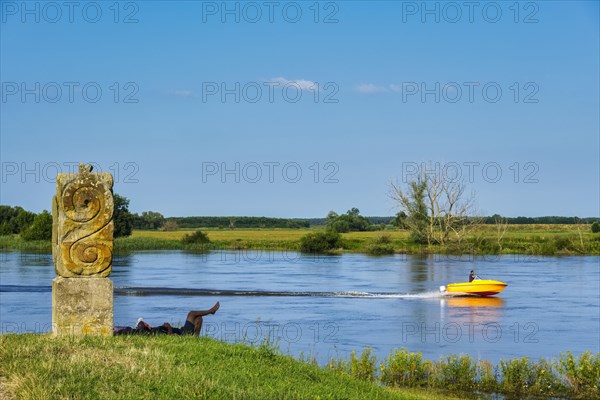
<point x="478" y="287"/>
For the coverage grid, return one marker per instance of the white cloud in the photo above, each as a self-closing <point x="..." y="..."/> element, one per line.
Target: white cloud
<point x="302" y="84"/>
<point x="369" y="88"/>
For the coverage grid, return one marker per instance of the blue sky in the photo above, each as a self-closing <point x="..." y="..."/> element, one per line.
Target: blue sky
<point x="362" y="92"/>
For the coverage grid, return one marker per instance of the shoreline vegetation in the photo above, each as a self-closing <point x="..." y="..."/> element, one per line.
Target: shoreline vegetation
<point x="526" y="240"/>
<point x="131" y="367"/>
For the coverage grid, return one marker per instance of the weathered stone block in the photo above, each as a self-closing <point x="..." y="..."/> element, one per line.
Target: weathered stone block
<point x="83" y="228"/>
<point x="82" y="306"/>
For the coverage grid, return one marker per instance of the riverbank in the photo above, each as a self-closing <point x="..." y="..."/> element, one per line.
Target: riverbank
<point x="545" y="240"/>
<point x="134" y="367"/>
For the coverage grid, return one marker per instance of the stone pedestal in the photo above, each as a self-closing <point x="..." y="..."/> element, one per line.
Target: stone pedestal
<point x="82" y="306"/>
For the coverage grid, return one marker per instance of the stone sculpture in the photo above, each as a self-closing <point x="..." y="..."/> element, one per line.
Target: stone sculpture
<point x="82" y="244"/>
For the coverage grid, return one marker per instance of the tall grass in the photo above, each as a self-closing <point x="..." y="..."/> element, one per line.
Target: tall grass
<point x="567" y="376"/>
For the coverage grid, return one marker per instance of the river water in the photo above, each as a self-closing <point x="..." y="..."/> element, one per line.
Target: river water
<point x="327" y="306"/>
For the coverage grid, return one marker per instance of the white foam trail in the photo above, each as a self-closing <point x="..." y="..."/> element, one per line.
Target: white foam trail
<point x="424" y="295"/>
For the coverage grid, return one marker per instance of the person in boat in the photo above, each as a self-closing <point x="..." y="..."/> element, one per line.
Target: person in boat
<point x="472" y="276"/>
<point x="192" y="326"/>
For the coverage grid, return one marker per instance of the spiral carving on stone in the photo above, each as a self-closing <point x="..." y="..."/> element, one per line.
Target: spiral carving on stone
<point x="84" y="228"/>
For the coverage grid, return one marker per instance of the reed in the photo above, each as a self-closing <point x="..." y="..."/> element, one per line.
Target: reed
<point x="567" y="376"/>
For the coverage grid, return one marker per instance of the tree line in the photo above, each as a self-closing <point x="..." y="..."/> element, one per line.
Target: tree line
<point x="433" y="211"/>
<point x="239" y="222"/>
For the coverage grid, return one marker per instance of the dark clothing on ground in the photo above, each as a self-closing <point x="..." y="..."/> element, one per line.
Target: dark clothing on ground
<point x="187" y="329"/>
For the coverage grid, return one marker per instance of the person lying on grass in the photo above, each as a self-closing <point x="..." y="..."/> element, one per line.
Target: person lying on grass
<point x="193" y="324"/>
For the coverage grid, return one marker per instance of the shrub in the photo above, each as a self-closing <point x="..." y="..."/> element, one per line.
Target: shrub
<point x="404" y="369"/>
<point x="562" y="243"/>
<point x="543" y="381"/>
<point x="320" y="242"/>
<point x="40" y="229"/>
<point x="596" y="227"/>
<point x="583" y="375"/>
<point x="197" y="237"/>
<point x="548" y="248"/>
<point x="383" y="239"/>
<point x="363" y="367"/>
<point x="380" y="246"/>
<point x="457" y="373"/>
<point x="516" y="375"/>
<point x="488" y="376"/>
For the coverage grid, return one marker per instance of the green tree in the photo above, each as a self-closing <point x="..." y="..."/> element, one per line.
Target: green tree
<point x="340" y="225"/>
<point x="352" y="221"/>
<point x="40" y="229"/>
<point x="22" y="220"/>
<point x="152" y="220"/>
<point x="14" y="219"/>
<point x="400" y="220"/>
<point x="413" y="204"/>
<point x="5" y="229"/>
<point x="596" y="227"/>
<point x="122" y="218"/>
<point x="7" y="213"/>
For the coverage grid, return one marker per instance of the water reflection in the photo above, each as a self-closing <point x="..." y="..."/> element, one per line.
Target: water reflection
<point x="473" y="301"/>
<point x="467" y="310"/>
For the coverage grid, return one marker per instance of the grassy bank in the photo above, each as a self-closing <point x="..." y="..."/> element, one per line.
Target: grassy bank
<point x="42" y="367"/>
<point x="135" y="367"/>
<point x="547" y="240"/>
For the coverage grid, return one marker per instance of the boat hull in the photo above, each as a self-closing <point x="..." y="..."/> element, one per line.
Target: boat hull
<point x="479" y="287"/>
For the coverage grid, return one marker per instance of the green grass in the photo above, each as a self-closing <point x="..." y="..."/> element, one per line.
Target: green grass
<point x="157" y="367"/>
<point x="566" y="377"/>
<point x="518" y="239"/>
<point x="167" y="367"/>
<point x="548" y="240"/>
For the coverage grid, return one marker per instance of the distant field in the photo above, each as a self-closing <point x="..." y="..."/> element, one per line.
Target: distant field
<point x="515" y="231"/>
<point x="228" y="234"/>
<point x="518" y="239"/>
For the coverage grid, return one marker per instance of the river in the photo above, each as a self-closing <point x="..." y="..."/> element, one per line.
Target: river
<point x="327" y="306"/>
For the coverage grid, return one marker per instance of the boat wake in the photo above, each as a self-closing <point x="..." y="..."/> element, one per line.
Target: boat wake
<point x="153" y="291"/>
<point x="166" y="291"/>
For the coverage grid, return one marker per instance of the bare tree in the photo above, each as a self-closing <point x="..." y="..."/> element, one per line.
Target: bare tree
<point x="170" y="225"/>
<point x="449" y="211"/>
